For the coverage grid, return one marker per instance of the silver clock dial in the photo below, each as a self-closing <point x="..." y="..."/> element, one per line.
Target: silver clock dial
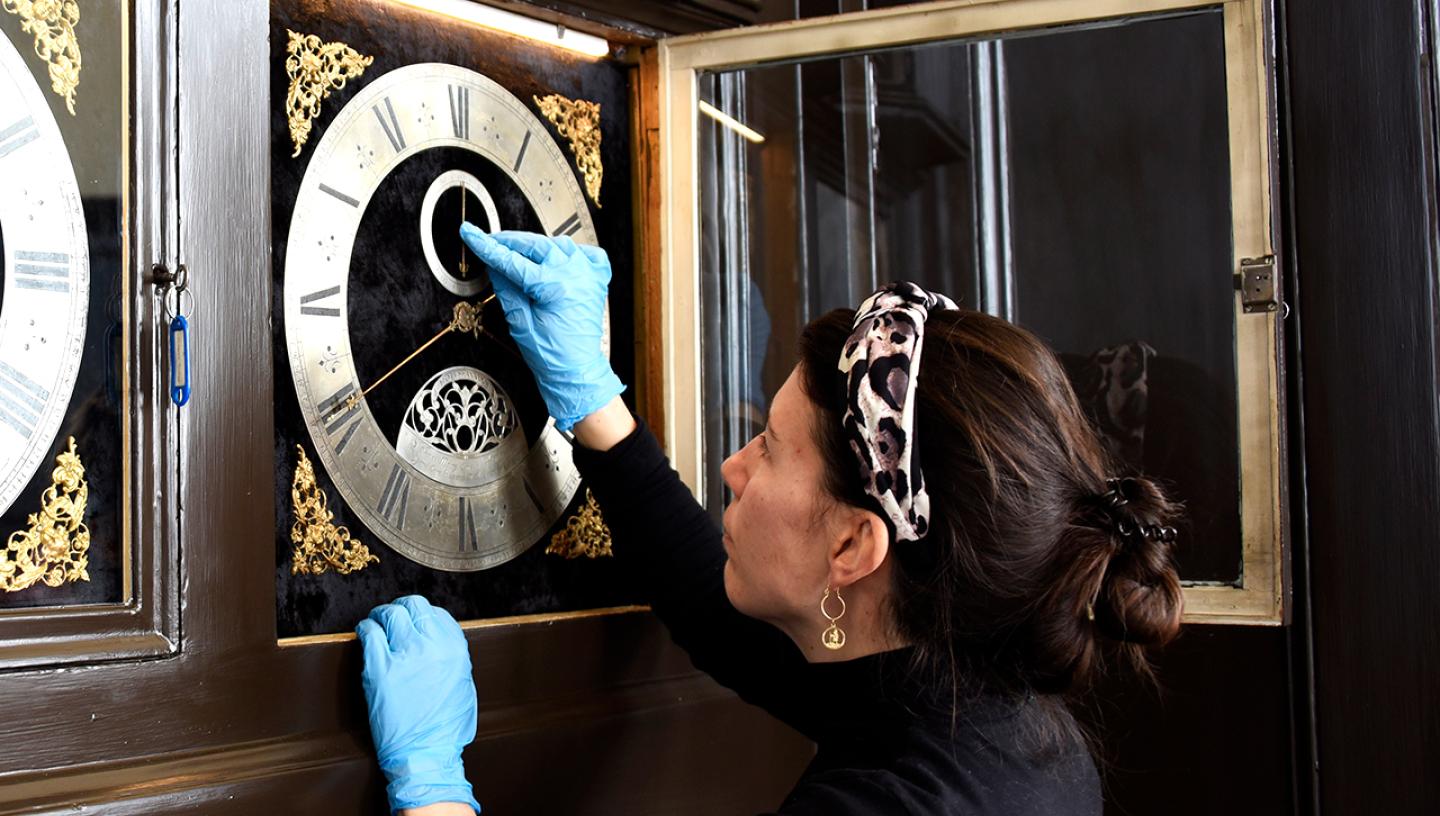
<point x="47" y="276"/>
<point x="456" y="503"/>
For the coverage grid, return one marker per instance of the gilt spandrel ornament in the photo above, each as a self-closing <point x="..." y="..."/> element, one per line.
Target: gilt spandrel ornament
<point x="578" y="121"/>
<point x="316" y="69"/>
<point x="320" y="544"/>
<point x="54" y="548"/>
<point x="52" y="24"/>
<point x="585" y="534"/>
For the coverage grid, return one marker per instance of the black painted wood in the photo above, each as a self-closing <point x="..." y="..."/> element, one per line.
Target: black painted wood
<point x="1358" y="664"/>
<point x="1362" y="117"/>
<point x="1214" y="737"/>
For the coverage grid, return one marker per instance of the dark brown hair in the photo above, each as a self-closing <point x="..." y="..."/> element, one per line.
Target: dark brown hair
<point x="997" y="597"/>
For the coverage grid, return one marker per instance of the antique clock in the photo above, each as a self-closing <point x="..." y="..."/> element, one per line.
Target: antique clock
<point x="47" y="277"/>
<point x="413" y="450"/>
<point x="63" y="382"/>
<point x="457" y="483"/>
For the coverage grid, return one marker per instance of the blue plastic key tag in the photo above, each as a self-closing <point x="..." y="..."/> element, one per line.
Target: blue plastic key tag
<point x="179" y="360"/>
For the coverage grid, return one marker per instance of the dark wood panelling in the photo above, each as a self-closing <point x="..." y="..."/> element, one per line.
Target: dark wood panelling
<point x="1362" y="118"/>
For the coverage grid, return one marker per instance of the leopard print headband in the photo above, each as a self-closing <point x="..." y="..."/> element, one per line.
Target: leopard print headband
<point x="881" y="361"/>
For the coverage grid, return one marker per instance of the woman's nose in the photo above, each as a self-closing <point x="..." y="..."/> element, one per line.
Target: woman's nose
<point x="732" y="470"/>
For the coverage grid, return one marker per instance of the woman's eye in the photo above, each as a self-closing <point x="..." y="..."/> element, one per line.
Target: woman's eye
<point x="764" y="446"/>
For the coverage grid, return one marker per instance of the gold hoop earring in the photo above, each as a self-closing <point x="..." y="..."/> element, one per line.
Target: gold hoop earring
<point x="834" y="636"/>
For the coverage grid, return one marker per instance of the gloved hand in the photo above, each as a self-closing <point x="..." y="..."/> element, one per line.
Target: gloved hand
<point x="421" y="699"/>
<point x="553" y="292"/>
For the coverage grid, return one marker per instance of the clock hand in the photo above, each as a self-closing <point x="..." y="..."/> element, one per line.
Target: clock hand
<point x="466" y="318"/>
<point x="464" y="268"/>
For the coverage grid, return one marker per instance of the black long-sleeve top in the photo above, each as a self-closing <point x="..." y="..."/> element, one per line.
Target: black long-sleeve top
<point x="885" y="744"/>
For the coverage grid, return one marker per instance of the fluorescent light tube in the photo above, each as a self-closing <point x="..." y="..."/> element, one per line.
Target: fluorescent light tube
<point x="517" y="24"/>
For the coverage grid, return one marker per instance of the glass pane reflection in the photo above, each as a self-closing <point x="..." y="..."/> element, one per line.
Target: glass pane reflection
<point x="96" y="141"/>
<point x="1075" y="181"/>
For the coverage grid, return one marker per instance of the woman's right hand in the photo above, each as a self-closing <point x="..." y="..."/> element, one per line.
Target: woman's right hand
<point x="553" y="292"/>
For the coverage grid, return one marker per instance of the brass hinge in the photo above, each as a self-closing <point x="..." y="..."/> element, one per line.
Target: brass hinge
<point x="1256" y="282"/>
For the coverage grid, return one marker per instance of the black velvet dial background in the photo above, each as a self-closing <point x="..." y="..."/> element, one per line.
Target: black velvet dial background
<point x="396" y="304"/>
<point x="95" y="414"/>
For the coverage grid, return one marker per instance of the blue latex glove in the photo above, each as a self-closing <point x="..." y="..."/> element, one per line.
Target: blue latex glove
<point x="422" y="701"/>
<point x="553" y="292"/>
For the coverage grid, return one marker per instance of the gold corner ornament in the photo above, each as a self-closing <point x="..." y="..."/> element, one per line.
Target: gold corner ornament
<point x="585" y="533"/>
<point x="54" y="548"/>
<point x="578" y="121"/>
<point x="320" y="545"/>
<point x="52" y="24"/>
<point x="315" y="68"/>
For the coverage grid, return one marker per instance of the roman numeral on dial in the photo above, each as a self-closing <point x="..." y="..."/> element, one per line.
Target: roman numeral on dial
<point x="569" y="226"/>
<point x="17" y="135"/>
<point x="469" y="541"/>
<point x="396" y="497"/>
<point x="460" y="110"/>
<point x="21" y="400"/>
<point x="339" y="196"/>
<point x="42" y="271"/>
<point x="336" y="411"/>
<point x="520" y="157"/>
<point x="389" y="123"/>
<point x="340" y="418"/>
<point x="307" y="302"/>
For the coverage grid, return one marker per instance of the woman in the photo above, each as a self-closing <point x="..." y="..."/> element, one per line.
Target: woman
<point x="924" y="558"/>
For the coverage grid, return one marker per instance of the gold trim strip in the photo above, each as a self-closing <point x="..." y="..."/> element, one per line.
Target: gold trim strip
<point x="473" y="625"/>
<point x="52" y="23"/>
<point x="897" y="26"/>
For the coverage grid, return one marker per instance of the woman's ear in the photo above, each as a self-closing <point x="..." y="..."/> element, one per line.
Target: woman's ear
<point x="860" y="547"/>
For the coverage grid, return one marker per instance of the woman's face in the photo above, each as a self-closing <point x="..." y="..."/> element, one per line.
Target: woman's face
<point x="776" y="528"/>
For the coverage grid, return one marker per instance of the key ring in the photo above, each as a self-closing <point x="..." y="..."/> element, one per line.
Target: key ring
<point x="179" y="290"/>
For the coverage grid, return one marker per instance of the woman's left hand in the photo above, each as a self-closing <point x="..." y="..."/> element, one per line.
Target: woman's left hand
<point x="421" y="699"/>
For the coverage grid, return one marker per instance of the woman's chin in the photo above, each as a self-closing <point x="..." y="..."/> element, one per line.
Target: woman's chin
<point x="732" y="588"/>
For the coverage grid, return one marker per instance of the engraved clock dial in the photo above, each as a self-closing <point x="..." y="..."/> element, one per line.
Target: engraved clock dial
<point x="454" y="466"/>
<point x="46" y="276"/>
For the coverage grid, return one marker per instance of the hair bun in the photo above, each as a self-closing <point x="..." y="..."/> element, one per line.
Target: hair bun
<point x="1139" y="599"/>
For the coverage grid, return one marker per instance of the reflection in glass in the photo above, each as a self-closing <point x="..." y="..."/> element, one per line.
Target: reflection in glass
<point x="1075" y="181"/>
<point x="95" y="139"/>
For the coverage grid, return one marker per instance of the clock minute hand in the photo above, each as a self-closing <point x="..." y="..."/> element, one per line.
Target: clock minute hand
<point x="466" y="318"/>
